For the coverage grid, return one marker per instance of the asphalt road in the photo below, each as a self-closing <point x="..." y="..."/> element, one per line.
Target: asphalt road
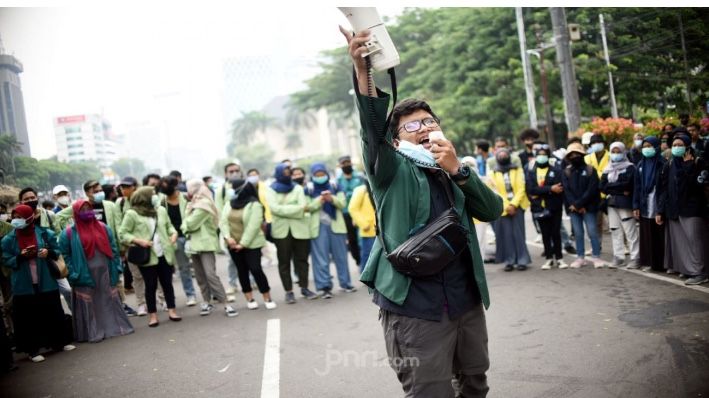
<point x="558" y="333"/>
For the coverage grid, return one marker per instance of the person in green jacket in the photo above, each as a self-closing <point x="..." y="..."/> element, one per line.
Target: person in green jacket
<point x="37" y="310"/>
<point x="240" y="225"/>
<point x="146" y="224"/>
<point x="105" y="210"/>
<point x="328" y="232"/>
<point x="439" y="319"/>
<point x="91" y="254"/>
<point x="200" y="227"/>
<point x="290" y="228"/>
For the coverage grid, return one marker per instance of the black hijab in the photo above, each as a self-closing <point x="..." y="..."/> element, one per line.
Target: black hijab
<point x="245" y="193"/>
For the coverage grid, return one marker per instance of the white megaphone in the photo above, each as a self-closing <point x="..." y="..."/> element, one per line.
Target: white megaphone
<point x="381" y="50"/>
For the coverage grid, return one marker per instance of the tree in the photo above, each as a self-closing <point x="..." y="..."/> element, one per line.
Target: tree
<point x="9" y="147"/>
<point x="244" y="128"/>
<point x="129" y="167"/>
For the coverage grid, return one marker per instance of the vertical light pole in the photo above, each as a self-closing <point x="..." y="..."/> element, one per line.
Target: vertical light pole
<point x="572" y="108"/>
<point x="614" y="106"/>
<point x="527" y="70"/>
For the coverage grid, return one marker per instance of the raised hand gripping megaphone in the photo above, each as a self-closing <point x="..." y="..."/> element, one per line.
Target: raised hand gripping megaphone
<point x="381" y="50"/>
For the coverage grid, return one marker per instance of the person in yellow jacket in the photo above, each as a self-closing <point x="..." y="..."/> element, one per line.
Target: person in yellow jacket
<point x="511" y="246"/>
<point x="598" y="157"/>
<point x="364" y="218"/>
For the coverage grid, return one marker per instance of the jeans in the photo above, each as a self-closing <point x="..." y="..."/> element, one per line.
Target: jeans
<point x="365" y="248"/>
<point x="591" y="221"/>
<point x="233" y="273"/>
<point x="183" y="264"/>
<point x="329" y="243"/>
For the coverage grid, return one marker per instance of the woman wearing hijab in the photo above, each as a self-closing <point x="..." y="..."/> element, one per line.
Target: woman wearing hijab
<point x="652" y="235"/>
<point x="38" y="316"/>
<point x="328" y="232"/>
<point x="683" y="206"/>
<point x="617" y="182"/>
<point x="94" y="263"/>
<point x="290" y="229"/>
<point x="511" y="246"/>
<point x="241" y="222"/>
<point x="147" y="224"/>
<point x="200" y="227"/>
<point x="544" y="190"/>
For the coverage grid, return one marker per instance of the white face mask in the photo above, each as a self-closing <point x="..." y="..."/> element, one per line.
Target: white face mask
<point x="4" y="217"/>
<point x="64" y="200"/>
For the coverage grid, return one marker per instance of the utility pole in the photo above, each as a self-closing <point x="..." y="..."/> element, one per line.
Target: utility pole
<point x="572" y="108"/>
<point x="543" y="82"/>
<point x="686" y="67"/>
<point x="526" y="68"/>
<point x="614" y="106"/>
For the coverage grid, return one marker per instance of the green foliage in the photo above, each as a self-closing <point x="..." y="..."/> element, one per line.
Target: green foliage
<point x="132" y="167"/>
<point x="244" y="128"/>
<point x="466" y="63"/>
<point x="43" y="175"/>
<point x="257" y="156"/>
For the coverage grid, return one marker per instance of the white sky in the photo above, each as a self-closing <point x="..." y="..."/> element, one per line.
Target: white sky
<point x="129" y="62"/>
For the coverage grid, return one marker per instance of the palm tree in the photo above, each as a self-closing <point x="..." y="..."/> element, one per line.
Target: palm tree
<point x="9" y="147"/>
<point x="244" y="128"/>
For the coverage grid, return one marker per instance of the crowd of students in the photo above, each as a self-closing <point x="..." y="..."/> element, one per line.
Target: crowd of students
<point x="653" y="196"/>
<point x="131" y="238"/>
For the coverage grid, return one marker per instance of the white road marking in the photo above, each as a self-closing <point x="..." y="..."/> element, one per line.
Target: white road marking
<point x="270" y="382"/>
<point x="225" y="368"/>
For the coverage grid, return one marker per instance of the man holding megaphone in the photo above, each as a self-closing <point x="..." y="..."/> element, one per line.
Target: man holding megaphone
<point x="425" y="268"/>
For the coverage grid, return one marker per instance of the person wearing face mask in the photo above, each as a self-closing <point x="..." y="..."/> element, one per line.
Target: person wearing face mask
<point x="546" y="194"/>
<point x="500" y="143"/>
<point x="682" y="206"/>
<point x="200" y="227"/>
<point x="291" y="231"/>
<point x="598" y="158"/>
<point x="527" y="136"/>
<point x="617" y="182"/>
<point x="91" y="254"/>
<point x="652" y="235"/>
<point x="105" y="210"/>
<point x="511" y="244"/>
<point x="128" y="185"/>
<point x="61" y="197"/>
<point x="240" y="223"/>
<point x="176" y="204"/>
<point x="298" y="176"/>
<point x="635" y="154"/>
<point x="327" y="232"/>
<point x="268" y="251"/>
<point x="581" y="197"/>
<point x="38" y="317"/>
<point x="148" y="225"/>
<point x="347" y="182"/>
<point x="223" y="195"/>
<point x="28" y="196"/>
<point x="415" y="178"/>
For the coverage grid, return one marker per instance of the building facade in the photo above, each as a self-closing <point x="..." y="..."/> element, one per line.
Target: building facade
<point x="83" y="138"/>
<point x="12" y="107"/>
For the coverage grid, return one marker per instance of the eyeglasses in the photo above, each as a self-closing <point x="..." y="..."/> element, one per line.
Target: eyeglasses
<point x="415" y="125"/>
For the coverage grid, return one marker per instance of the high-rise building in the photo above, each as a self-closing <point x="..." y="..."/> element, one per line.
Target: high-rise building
<point x="12" y="107"/>
<point x="83" y="138"/>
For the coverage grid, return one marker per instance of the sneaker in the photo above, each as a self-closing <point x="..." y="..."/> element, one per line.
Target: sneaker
<point x="509" y="267"/>
<point x="562" y="264"/>
<point x="231" y="290"/>
<point x="548" y="264"/>
<point x="252" y="305"/>
<point x="69" y="347"/>
<point x="617" y="262"/>
<point x="37" y="358"/>
<point x="697" y="280"/>
<point x="142" y="310"/>
<point x="230" y="311"/>
<point x="598" y="263"/>
<point x="633" y="265"/>
<point x="570" y="249"/>
<point x="349" y="289"/>
<point x="205" y="309"/>
<point x="305" y="292"/>
<point x="230" y="298"/>
<point x="290" y="298"/>
<point x="521" y="267"/>
<point x="326" y="294"/>
<point x="578" y="263"/>
<point x="128" y="310"/>
<point x="191" y="301"/>
<point x="270" y="305"/>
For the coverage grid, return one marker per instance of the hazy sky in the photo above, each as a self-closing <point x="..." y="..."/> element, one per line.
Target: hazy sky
<point x="152" y="63"/>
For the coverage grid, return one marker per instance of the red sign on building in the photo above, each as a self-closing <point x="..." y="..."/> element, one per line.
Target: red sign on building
<point x="71" y="119"/>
